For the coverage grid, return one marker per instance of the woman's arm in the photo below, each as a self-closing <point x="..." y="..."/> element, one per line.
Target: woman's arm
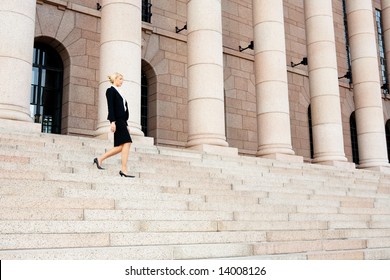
<point x="110" y="95"/>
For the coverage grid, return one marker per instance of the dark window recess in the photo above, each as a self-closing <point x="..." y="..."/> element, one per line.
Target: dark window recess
<point x="388" y="139"/>
<point x="46" y="88"/>
<point x="382" y="52"/>
<point x="354" y="139"/>
<point x="348" y="75"/>
<point x="310" y="132"/>
<point x="144" y="104"/>
<point x="146" y="11"/>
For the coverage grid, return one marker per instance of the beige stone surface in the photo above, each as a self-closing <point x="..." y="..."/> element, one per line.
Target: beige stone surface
<point x="74" y="29"/>
<point x="17" y="21"/>
<point x="371" y="132"/>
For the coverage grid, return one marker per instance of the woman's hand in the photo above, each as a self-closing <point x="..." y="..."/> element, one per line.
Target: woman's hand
<point x="113" y="127"/>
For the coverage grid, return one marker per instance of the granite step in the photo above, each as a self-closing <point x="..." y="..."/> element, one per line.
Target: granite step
<point x="182" y="204"/>
<point x="157" y="252"/>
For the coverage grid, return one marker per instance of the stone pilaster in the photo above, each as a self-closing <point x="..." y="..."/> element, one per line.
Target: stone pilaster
<point x="323" y="82"/>
<point x="366" y="85"/>
<point x="273" y="117"/>
<point x="17" y="27"/>
<point x="120" y="51"/>
<point x="206" y="115"/>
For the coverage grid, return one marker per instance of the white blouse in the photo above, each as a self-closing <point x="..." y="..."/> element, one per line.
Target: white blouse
<point x="124" y="99"/>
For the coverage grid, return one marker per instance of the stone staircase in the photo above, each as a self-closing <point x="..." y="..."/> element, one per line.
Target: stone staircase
<point x="54" y="204"/>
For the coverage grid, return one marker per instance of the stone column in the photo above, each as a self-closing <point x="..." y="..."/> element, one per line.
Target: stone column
<point x="273" y="117"/>
<point x="206" y="108"/>
<point x="386" y="32"/>
<point x="120" y="51"/>
<point x="17" y="27"/>
<point x="366" y="85"/>
<point x="323" y="82"/>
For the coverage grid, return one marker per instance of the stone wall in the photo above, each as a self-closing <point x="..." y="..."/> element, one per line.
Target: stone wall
<point x="73" y="28"/>
<point x="74" y="32"/>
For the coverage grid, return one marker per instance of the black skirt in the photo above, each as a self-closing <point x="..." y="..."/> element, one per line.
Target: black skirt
<point x="121" y="134"/>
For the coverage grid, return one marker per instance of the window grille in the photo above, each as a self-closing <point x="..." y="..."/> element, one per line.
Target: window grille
<point x="46" y="88"/>
<point x="346" y="36"/>
<point x="382" y="52"/>
<point x="146" y="11"/>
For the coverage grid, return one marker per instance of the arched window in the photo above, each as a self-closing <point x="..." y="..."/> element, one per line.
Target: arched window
<point x="388" y="138"/>
<point x="310" y="132"/>
<point x="354" y="139"/>
<point x="46" y="88"/>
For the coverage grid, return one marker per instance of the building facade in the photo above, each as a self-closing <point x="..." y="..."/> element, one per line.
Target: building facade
<point x="290" y="79"/>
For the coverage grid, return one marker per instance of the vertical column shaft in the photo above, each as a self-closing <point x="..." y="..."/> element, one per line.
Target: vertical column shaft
<point x="366" y="85"/>
<point x="323" y="82"/>
<point x="273" y="117"/>
<point x="17" y="27"/>
<point x="120" y="51"/>
<point x="206" y="115"/>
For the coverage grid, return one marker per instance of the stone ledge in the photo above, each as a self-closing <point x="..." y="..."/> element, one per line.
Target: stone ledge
<point x="284" y="157"/>
<point x="215" y="150"/>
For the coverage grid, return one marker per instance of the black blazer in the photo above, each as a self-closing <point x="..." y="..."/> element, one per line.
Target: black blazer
<point x="116" y="111"/>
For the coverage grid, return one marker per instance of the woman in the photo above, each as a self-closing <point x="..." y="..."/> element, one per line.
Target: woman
<point x="118" y="114"/>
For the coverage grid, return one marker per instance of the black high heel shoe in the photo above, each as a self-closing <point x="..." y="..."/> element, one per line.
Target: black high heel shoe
<point x="95" y="161"/>
<point x="125" y="175"/>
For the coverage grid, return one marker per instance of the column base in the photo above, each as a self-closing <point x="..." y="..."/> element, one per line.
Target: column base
<point x="105" y="136"/>
<point x="380" y="168"/>
<point x="138" y="141"/>
<point x="329" y="158"/>
<point x="15" y="113"/>
<point x="215" y="150"/>
<point x="341" y="164"/>
<point x="274" y="149"/>
<point x="142" y="141"/>
<point x="19" y="126"/>
<point x="284" y="157"/>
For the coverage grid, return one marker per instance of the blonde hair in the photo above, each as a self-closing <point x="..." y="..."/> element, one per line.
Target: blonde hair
<point x="113" y="76"/>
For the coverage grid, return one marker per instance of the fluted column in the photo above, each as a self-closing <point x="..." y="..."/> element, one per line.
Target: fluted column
<point x="366" y="85"/>
<point x="17" y="27"/>
<point x="273" y="117"/>
<point x="386" y="32"/>
<point x="323" y="82"/>
<point x="120" y="51"/>
<point x="206" y="116"/>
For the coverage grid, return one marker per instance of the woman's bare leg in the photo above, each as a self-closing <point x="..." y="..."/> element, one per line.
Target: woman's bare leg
<point x="110" y="153"/>
<point x="124" y="156"/>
